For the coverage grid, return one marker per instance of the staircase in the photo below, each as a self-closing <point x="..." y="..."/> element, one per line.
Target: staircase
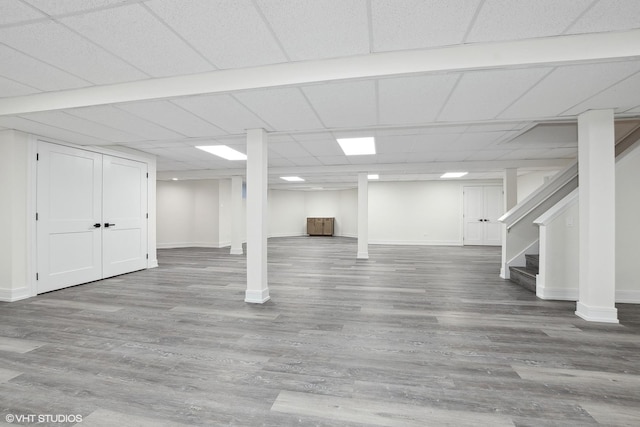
<point x="526" y="276"/>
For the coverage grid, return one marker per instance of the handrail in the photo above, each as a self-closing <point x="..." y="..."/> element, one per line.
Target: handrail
<point x="535" y="199"/>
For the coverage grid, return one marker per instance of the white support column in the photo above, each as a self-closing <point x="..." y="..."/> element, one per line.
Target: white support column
<point x="236" y="215"/>
<point x="363" y="216"/>
<point x="510" y="187"/>
<point x="257" y="286"/>
<point x="596" y="160"/>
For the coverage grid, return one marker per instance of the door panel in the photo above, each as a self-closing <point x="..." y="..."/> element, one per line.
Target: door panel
<point x="482" y="208"/>
<point x="494" y="208"/>
<point x="473" y="215"/>
<point x="124" y="206"/>
<point x="69" y="185"/>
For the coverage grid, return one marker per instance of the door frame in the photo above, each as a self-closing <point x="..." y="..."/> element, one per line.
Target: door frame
<point x="32" y="185"/>
<point x="462" y="204"/>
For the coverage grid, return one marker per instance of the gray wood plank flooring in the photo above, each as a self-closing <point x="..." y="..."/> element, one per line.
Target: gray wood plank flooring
<point x="424" y="336"/>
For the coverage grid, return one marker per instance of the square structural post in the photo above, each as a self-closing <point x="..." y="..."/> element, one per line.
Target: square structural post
<point x="257" y="286"/>
<point x="597" y="210"/>
<point x="237" y="215"/>
<point x="363" y="216"/>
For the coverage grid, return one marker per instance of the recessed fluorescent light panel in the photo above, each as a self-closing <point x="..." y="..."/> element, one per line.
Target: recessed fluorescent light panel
<point x="373" y="176"/>
<point x="454" y="174"/>
<point x="174" y="179"/>
<point x="292" y="178"/>
<point x="223" y="151"/>
<point x="357" y="146"/>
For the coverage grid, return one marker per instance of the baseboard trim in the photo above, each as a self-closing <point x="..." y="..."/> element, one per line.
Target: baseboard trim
<point x="557" y="294"/>
<point x="257" y="297"/>
<point x="628" y="297"/>
<point x="417" y="242"/>
<point x="192" y="245"/>
<point x="597" y="314"/>
<point x="11" y="295"/>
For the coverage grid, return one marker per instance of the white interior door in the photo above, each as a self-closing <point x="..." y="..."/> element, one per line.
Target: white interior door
<point x="482" y="208"/>
<point x="124" y="213"/>
<point x="473" y="215"/>
<point x="494" y="208"/>
<point x="69" y="206"/>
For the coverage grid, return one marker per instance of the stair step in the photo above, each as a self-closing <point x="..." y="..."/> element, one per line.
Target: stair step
<point x="533" y="261"/>
<point x="525" y="277"/>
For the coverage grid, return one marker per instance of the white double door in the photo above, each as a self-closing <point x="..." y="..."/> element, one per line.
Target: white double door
<point x="91" y="216"/>
<point x="482" y="208"/>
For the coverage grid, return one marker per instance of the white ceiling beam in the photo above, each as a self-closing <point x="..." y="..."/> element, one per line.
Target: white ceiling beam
<point x="550" y="50"/>
<point x="423" y="168"/>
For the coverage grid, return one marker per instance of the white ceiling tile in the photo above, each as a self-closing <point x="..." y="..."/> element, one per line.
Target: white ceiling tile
<point x="344" y="104"/>
<point x="528" y="154"/>
<point x="548" y="135"/>
<point x="413" y="99"/>
<point x="170" y="116"/>
<point x="306" y="161"/>
<point x="213" y="27"/>
<point x="362" y="160"/>
<point x="422" y="143"/>
<point x="334" y="160"/>
<point x="75" y="124"/>
<point x="482" y="95"/>
<point x="12" y="88"/>
<point x="288" y="149"/>
<point x="280" y="162"/>
<point x="223" y="111"/>
<point x="567" y="86"/>
<point x="13" y="12"/>
<point x="322" y="147"/>
<point x="41" y="129"/>
<point x="59" y="46"/>
<point x="136" y="36"/>
<point x="476" y="140"/>
<point x="521" y="19"/>
<point x="620" y="97"/>
<point x="609" y="15"/>
<point x="312" y="29"/>
<point x="412" y="24"/>
<point x="451" y="156"/>
<point x="24" y="69"/>
<point x="285" y="109"/>
<point x="111" y="116"/>
<point x="394" y="144"/>
<point x="486" y="155"/>
<point x="55" y="8"/>
<point x="423" y="156"/>
<point x="393" y="158"/>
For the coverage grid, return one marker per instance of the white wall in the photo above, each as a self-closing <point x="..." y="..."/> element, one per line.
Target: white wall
<point x="421" y="212"/>
<point x="559" y="255"/>
<point x="14" y="193"/>
<point x="286" y="213"/>
<point x="188" y="213"/>
<point x="628" y="227"/>
<point x="225" y="209"/>
<point x="531" y="181"/>
<point x="347" y="219"/>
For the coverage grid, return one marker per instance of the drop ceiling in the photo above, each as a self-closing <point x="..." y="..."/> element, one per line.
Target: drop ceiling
<point x="481" y="118"/>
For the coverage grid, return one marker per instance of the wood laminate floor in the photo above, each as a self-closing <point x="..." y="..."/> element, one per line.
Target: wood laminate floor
<point x="415" y="336"/>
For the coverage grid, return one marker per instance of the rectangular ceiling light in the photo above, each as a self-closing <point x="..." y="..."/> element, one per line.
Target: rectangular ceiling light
<point x="454" y="174"/>
<point x="357" y="146"/>
<point x="292" y="178"/>
<point x="373" y="176"/>
<point x="223" y="151"/>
